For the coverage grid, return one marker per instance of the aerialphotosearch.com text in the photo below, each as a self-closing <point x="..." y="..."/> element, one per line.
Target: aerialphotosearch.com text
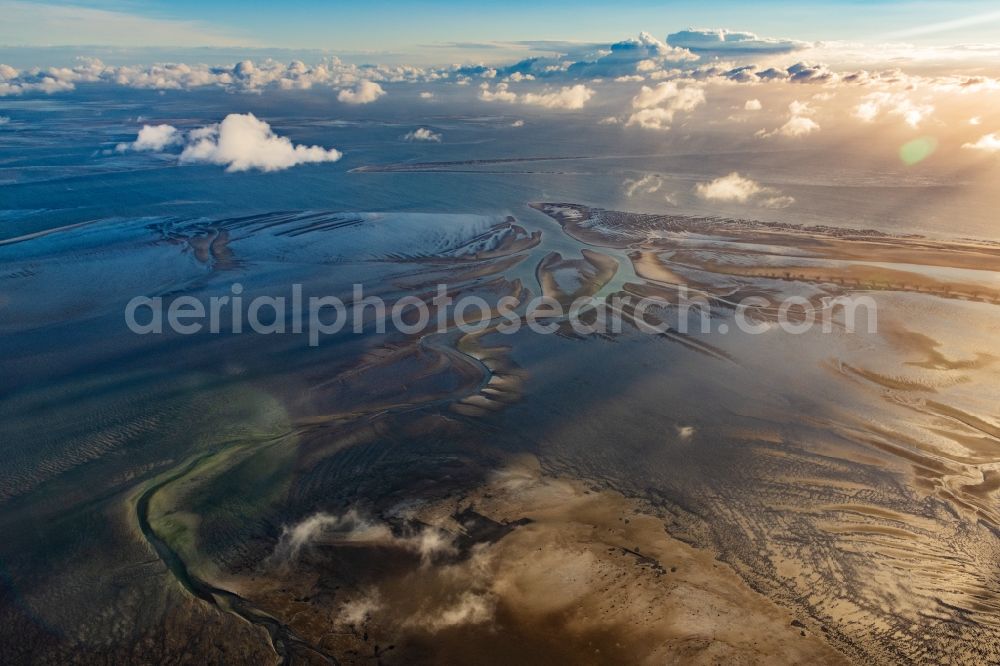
<point x="328" y="315"/>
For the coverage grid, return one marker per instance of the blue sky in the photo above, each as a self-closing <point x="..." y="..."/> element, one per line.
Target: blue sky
<point x="399" y="26"/>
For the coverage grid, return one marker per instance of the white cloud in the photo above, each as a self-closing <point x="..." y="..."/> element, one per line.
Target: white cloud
<point x="582" y="62"/>
<point x="895" y="104"/>
<point x="242" y="142"/>
<point x="642" y="58"/>
<point x="753" y="105"/>
<point x="359" y="82"/>
<point x="501" y="94"/>
<point x="989" y="143"/>
<point x="517" y="123"/>
<point x="567" y="97"/>
<point x="797" y="108"/>
<point x="730" y="41"/>
<point x="779" y="201"/>
<point x="365" y="92"/>
<point x="422" y="134"/>
<point x="654" y="108"/>
<point x="644" y="53"/>
<point x="152" y="138"/>
<point x="469" y="608"/>
<point x="4" y="120"/>
<point x="685" y="432"/>
<point x="869" y="109"/>
<point x="34" y="82"/>
<point x="804" y="72"/>
<point x="648" y="184"/>
<point x="798" y="124"/>
<point x="733" y="187"/>
<point x="739" y="189"/>
<point x="352" y="527"/>
<point x="358" y="611"/>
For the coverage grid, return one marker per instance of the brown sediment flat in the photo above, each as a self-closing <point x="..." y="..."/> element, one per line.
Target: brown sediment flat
<point x="929" y="348"/>
<point x="577" y="218"/>
<point x="858" y="276"/>
<point x="590" y="274"/>
<point x="648" y="265"/>
<point x="618" y="229"/>
<point x="897" y="572"/>
<point x="897" y="383"/>
<point x="547" y="571"/>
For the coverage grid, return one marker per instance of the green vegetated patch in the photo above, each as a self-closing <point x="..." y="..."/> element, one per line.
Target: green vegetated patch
<point x="210" y="505"/>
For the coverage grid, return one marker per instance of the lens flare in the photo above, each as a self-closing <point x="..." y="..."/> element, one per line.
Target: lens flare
<point x="917" y="150"/>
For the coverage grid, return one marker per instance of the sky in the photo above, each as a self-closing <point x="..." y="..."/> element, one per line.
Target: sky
<point x="905" y="91"/>
<point x="449" y="30"/>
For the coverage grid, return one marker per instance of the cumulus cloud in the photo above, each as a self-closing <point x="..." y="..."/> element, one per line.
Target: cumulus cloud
<point x="422" y="134"/>
<point x="352" y="527"/>
<point x="702" y="40"/>
<point x="798" y="124"/>
<point x="733" y="187"/>
<point x="644" y="58"/>
<point x="502" y="93"/>
<point x="648" y="184"/>
<point x="13" y="82"/>
<point x="567" y="97"/>
<point x="242" y="76"/>
<point x="364" y="92"/>
<point x="655" y="107"/>
<point x="804" y="72"/>
<point x="152" y="138"/>
<point x="800" y="72"/>
<point x="242" y="142"/>
<point x="988" y="143"/>
<point x="753" y="105"/>
<point x="356" y="612"/>
<point x="296" y="538"/>
<point x="874" y="105"/>
<point x="517" y="123"/>
<point x="468" y="608"/>
<point x="644" y="53"/>
<point x="519" y="76"/>
<point x="739" y="189"/>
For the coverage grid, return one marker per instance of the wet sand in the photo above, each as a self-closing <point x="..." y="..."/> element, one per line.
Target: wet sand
<point x="526" y="568"/>
<point x="406" y="498"/>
